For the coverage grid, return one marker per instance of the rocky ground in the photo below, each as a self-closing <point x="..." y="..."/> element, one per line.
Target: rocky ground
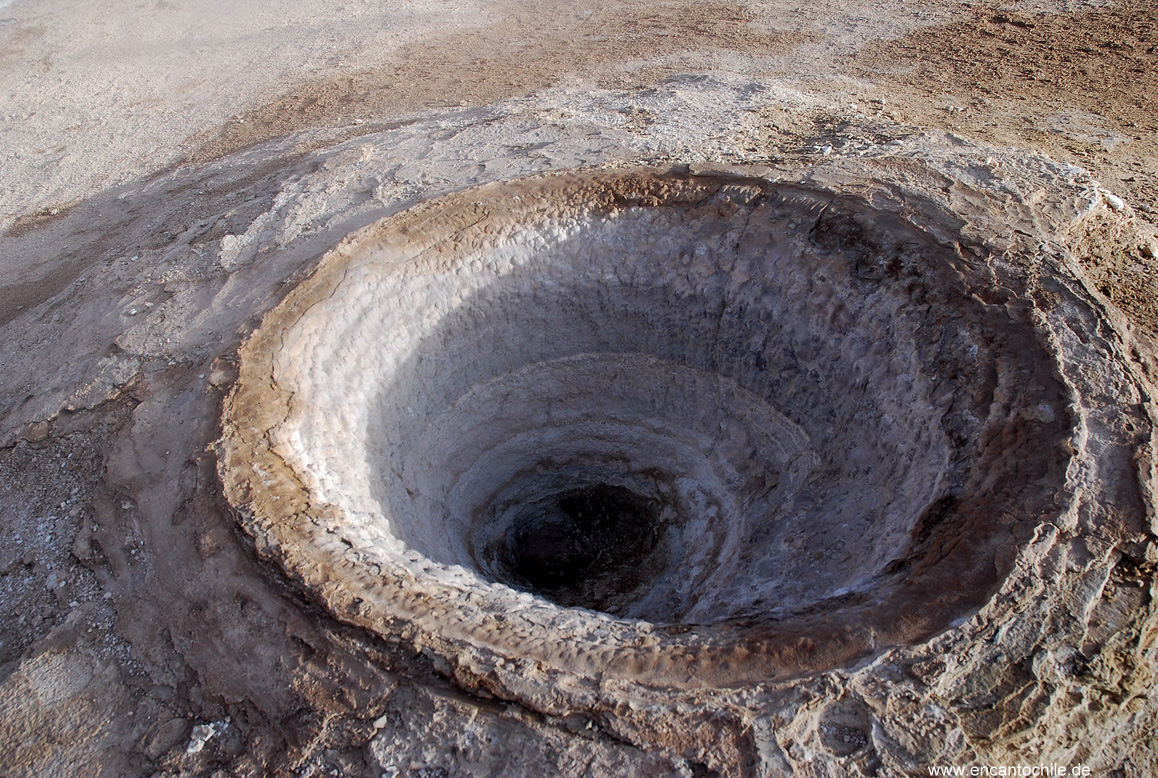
<point x="172" y="171"/>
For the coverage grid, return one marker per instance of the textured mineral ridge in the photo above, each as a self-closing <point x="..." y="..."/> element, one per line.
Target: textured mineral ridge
<point x="624" y="389"/>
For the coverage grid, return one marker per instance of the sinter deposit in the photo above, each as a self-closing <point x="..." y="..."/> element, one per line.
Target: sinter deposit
<point x="698" y="432"/>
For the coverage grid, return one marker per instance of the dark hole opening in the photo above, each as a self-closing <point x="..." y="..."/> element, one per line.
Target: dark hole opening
<point x="584" y="546"/>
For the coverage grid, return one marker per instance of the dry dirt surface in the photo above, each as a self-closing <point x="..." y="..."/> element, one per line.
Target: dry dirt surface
<point x="656" y="388"/>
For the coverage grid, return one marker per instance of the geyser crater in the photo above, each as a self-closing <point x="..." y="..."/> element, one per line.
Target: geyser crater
<point x="704" y="430"/>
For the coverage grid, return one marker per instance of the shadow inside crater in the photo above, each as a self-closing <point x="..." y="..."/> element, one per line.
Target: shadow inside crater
<point x="818" y="416"/>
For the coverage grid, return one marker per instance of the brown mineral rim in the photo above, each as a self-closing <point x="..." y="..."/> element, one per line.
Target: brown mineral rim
<point x="689" y="430"/>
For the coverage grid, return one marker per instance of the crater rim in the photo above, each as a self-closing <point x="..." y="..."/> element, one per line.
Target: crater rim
<point x="256" y="475"/>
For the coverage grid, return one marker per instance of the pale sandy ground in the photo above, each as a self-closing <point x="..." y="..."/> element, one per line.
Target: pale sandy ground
<point x="169" y="169"/>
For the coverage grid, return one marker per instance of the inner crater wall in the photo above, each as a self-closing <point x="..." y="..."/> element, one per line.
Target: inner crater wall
<point x="713" y="430"/>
